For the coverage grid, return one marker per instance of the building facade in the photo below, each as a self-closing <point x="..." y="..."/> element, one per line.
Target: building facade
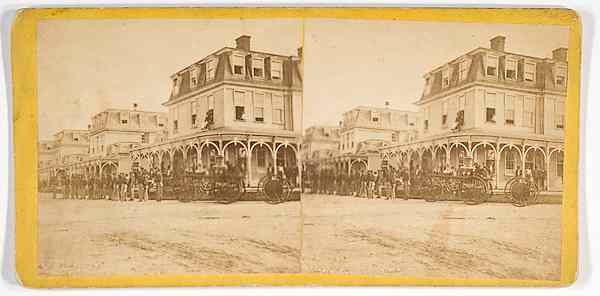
<point x="496" y="108"/>
<point x="320" y="143"/>
<point x="236" y="106"/>
<point x="114" y="132"/>
<point x="67" y="148"/>
<point x="364" y="130"/>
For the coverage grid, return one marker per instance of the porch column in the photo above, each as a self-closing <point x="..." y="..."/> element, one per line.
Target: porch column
<point x="547" y="170"/>
<point x="248" y="164"/>
<point x="497" y="168"/>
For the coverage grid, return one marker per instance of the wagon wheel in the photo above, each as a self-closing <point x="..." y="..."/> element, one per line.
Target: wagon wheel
<point x="274" y="191"/>
<point x="519" y="191"/>
<point x="475" y="191"/>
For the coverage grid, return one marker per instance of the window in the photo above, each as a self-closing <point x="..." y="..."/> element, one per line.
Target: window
<point x="210" y="102"/>
<point x="491" y="65"/>
<point x="559" y="114"/>
<point x="276" y="70"/>
<point x="259" y="107"/>
<point x="462" y="101"/>
<point x="426" y="118"/>
<point x="462" y="70"/>
<point x="261" y="158"/>
<point x="278" y="109"/>
<point x="561" y="76"/>
<point x="511" y="69"/>
<point x="529" y="71"/>
<point x="444" y="113"/>
<point x="238" y="65"/>
<point x="490" y="107"/>
<point x="375" y="116"/>
<point x="194" y="77"/>
<point x="175" y="119"/>
<point x="394" y="137"/>
<point x="176" y="81"/>
<point x="528" y="112"/>
<point x="445" y="78"/>
<point x="238" y="103"/>
<point x="193" y="107"/>
<point x="210" y="70"/>
<point x="146" y="138"/>
<point x="427" y="85"/>
<point x="123" y="116"/>
<point x="509" y="161"/>
<point x="257" y="67"/>
<point x="559" y="164"/>
<point x="509" y="109"/>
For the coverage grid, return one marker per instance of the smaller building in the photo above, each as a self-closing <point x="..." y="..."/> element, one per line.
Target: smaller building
<point x="320" y="143"/>
<point x="114" y="132"/>
<point x="365" y="129"/>
<point x="56" y="156"/>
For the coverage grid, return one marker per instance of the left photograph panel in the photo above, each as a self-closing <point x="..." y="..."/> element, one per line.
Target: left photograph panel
<point x="169" y="146"/>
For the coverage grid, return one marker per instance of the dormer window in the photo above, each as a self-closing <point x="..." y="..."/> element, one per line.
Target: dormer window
<point x="258" y="65"/>
<point x="491" y="68"/>
<point x="176" y="82"/>
<point x="276" y="70"/>
<point x="194" y="77"/>
<point x="529" y="72"/>
<point x="561" y="76"/>
<point x="239" y="65"/>
<point x="210" y="70"/>
<point x="445" y="78"/>
<point x="427" y="85"/>
<point x="511" y="69"/>
<point x="462" y="70"/>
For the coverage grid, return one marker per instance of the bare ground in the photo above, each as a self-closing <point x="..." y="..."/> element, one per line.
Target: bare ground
<point x="108" y="238"/>
<point x="340" y="235"/>
<point x="415" y="238"/>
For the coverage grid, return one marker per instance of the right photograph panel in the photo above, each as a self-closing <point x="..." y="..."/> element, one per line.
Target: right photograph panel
<point x="433" y="149"/>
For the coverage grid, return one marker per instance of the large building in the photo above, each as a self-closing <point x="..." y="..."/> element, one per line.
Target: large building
<point x="364" y="130"/>
<point x="67" y="148"/>
<point x="236" y="105"/>
<point x="500" y="109"/>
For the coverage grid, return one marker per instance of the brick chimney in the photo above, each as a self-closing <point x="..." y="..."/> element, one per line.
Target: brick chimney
<point x="560" y="54"/>
<point x="497" y="43"/>
<point x="243" y="42"/>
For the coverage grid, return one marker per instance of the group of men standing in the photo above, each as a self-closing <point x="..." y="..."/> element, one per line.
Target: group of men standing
<point x="386" y="182"/>
<point x="136" y="185"/>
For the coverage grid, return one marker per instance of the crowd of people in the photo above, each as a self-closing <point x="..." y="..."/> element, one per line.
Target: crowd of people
<point x="390" y="182"/>
<point x="142" y="184"/>
<point x="387" y="182"/>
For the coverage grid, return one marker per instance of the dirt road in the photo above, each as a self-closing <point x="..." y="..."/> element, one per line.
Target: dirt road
<point x="340" y="235"/>
<point x="104" y="237"/>
<point x="414" y="238"/>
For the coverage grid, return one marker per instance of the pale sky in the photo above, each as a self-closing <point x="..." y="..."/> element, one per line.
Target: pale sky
<point x="354" y="62"/>
<point x="86" y="66"/>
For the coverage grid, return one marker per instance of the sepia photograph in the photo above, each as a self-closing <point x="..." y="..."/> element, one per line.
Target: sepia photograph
<point x="433" y="149"/>
<point x="301" y="146"/>
<point x="149" y="130"/>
